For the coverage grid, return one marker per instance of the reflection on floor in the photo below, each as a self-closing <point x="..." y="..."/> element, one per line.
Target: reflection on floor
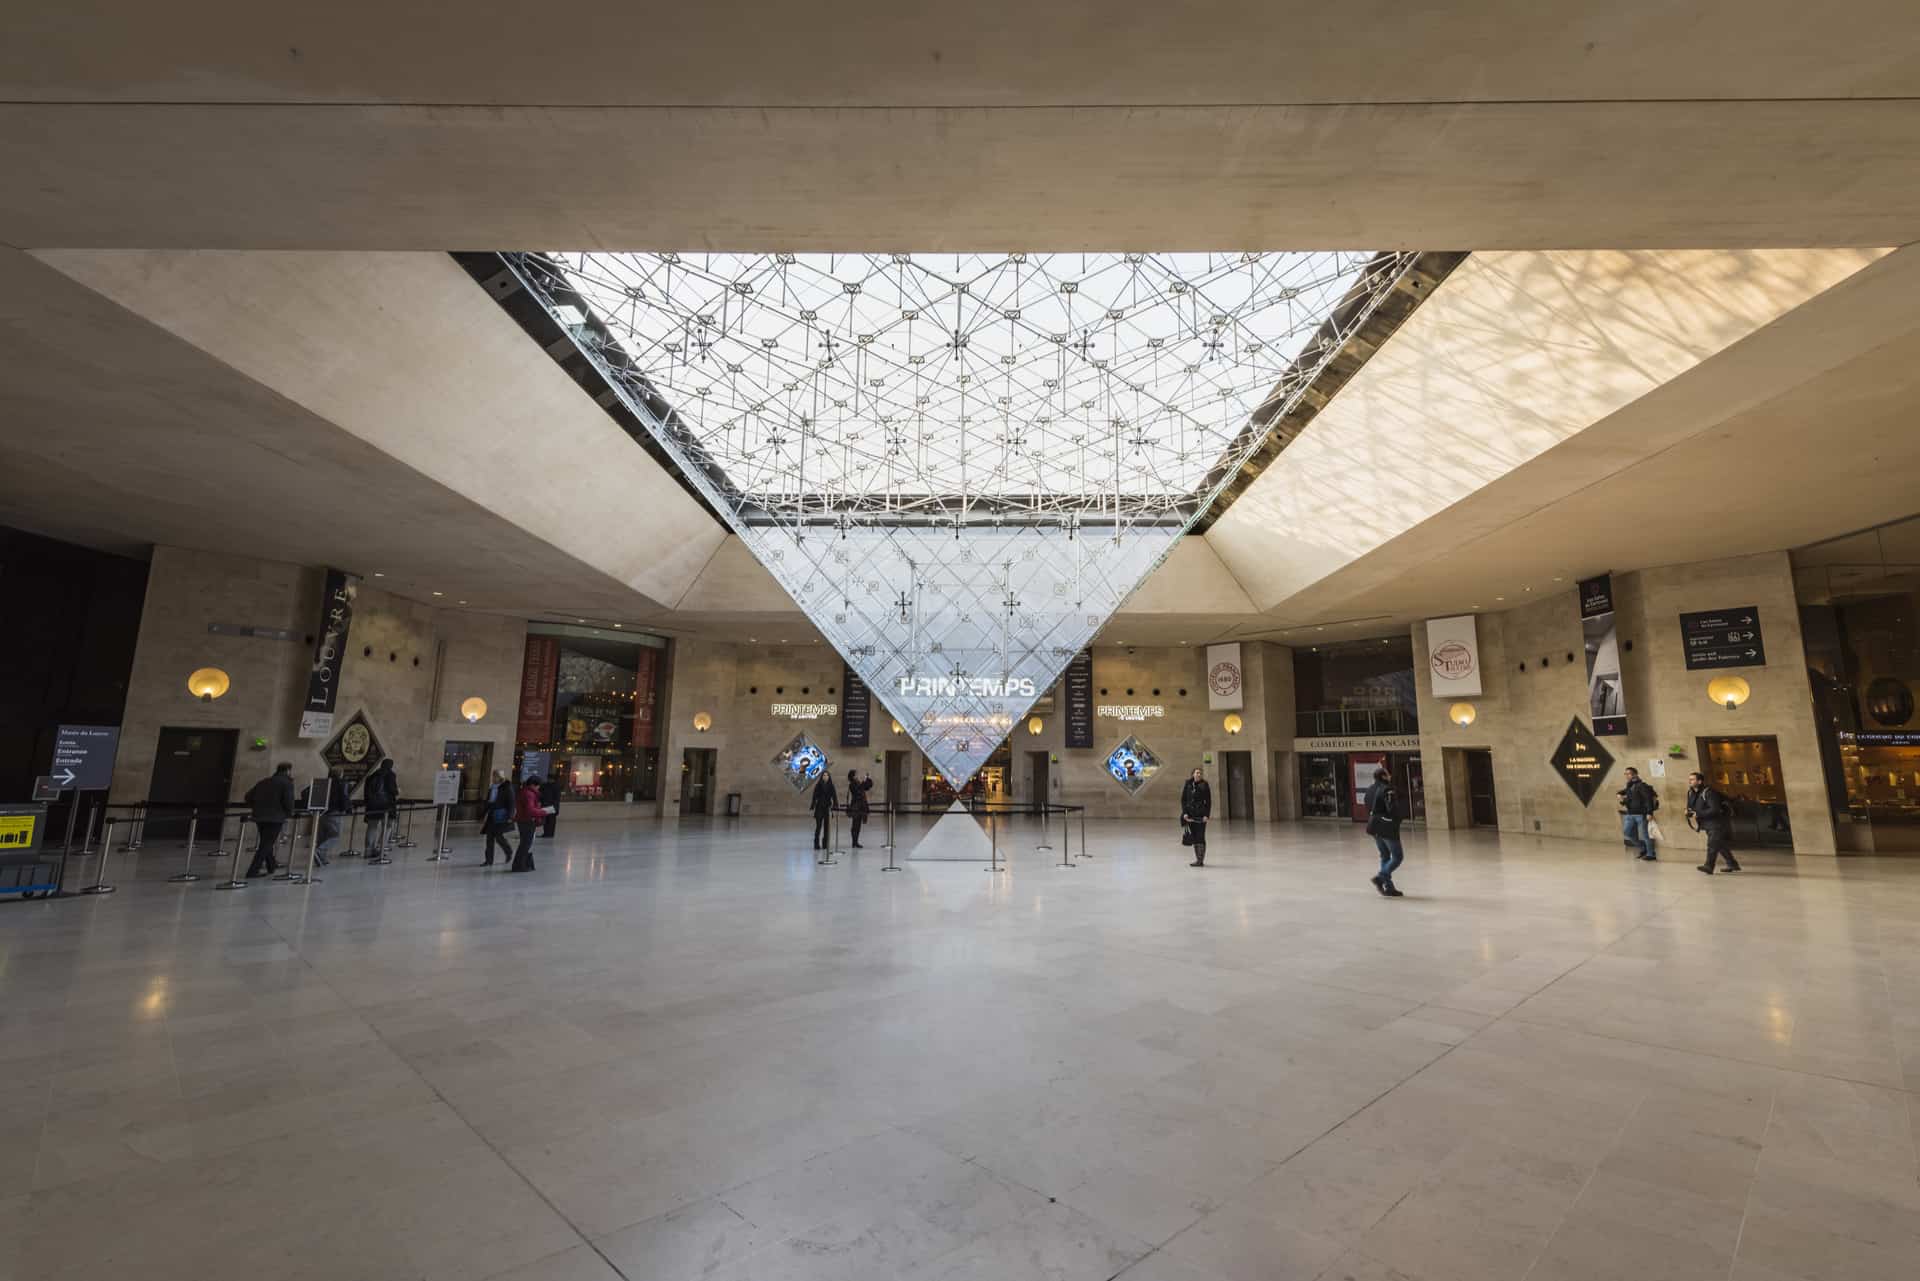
<point x="680" y="1052"/>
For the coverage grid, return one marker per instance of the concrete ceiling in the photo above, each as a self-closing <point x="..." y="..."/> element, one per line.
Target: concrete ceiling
<point x="1121" y="125"/>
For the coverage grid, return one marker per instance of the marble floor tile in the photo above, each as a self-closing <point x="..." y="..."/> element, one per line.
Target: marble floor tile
<point x="685" y="1051"/>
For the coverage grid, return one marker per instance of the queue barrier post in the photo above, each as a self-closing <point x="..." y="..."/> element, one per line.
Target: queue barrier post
<point x="193" y="830"/>
<point x="891" y="844"/>
<point x="993" y="830"/>
<point x="289" y="876"/>
<point x="440" y="851"/>
<point x="100" y="885"/>
<point x="827" y="858"/>
<point x="1066" y="844"/>
<point x="233" y="881"/>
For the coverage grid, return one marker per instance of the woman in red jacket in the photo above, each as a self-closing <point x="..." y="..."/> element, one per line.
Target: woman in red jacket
<point x="527" y="813"/>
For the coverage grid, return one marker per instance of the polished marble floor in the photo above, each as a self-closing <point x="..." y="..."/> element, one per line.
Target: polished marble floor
<point x="683" y="1052"/>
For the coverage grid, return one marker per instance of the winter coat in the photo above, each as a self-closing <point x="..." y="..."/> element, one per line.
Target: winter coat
<point x="857" y="806"/>
<point x="824" y="796"/>
<point x="1383" y="810"/>
<point x="381" y="791"/>
<point x="1710" y="810"/>
<point x="272" y="799"/>
<point x="527" y="807"/>
<point x="1196" y="800"/>
<point x="550" y="794"/>
<point x="1639" y="798"/>
<point x="500" y="805"/>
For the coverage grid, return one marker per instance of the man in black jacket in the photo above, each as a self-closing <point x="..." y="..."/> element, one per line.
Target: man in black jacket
<point x="1709" y="811"/>
<point x="1637" y="804"/>
<point x="1383" y="825"/>
<point x="550" y="800"/>
<point x="272" y="800"/>
<point x="824" y="799"/>
<point x="381" y="792"/>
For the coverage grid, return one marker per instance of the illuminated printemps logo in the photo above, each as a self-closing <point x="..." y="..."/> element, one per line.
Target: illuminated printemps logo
<point x="975" y="686"/>
<point x="805" y="711"/>
<point x="1130" y="711"/>
<point x="960" y="465"/>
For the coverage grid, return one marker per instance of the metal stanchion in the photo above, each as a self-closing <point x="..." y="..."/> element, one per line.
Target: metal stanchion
<point x="139" y="836"/>
<point x="290" y="876"/>
<point x="193" y="830"/>
<point x="313" y="845"/>
<point x="377" y="849"/>
<point x="233" y="881"/>
<point x="441" y="852"/>
<point x="406" y="838"/>
<point x="100" y="885"/>
<point x="1083" y="833"/>
<point x="827" y="858"/>
<point x="350" y="848"/>
<point x="891" y="844"/>
<point x="1066" y="844"/>
<point x="993" y="830"/>
<point x="93" y="819"/>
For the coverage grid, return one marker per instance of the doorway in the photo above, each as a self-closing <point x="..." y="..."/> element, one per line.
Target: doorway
<point x="474" y="761"/>
<point x="1239" y="770"/>
<point x="1042" y="781"/>
<point x="696" y="780"/>
<point x="191" y="768"/>
<point x="1482" y="808"/>
<point x="1747" y="772"/>
<point x="897" y="778"/>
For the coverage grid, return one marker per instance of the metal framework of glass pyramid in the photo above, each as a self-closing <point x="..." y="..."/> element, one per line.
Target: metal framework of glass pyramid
<point x="959" y="466"/>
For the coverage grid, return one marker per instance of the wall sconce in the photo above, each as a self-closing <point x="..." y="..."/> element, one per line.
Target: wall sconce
<point x="473" y="709"/>
<point x="1462" y="714"/>
<point x="1233" y="724"/>
<point x="1729" y="691"/>
<point x="207" y="683"/>
<point x="1035" y="725"/>
<point x="896" y="727"/>
<point x="702" y="722"/>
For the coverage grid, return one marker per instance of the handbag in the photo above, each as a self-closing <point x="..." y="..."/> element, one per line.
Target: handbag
<point x="1186" y="833"/>
<point x="1653" y="830"/>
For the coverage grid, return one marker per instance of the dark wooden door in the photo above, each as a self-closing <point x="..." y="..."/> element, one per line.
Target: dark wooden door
<point x="191" y="768"/>
<point x="1481" y="804"/>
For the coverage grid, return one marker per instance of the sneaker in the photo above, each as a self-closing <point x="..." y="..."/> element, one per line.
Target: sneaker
<point x="1379" y="883"/>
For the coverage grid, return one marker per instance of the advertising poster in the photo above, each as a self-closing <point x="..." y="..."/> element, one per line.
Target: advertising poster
<point x="539" y="676"/>
<point x="329" y="653"/>
<point x="856" y="714"/>
<point x="1226" y="679"/>
<point x="1077" y="690"/>
<point x="1453" y="656"/>
<point x="1606" y="698"/>
<point x="645" y="697"/>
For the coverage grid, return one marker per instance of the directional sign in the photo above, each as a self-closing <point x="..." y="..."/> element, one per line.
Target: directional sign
<point x="1723" y="638"/>
<point x="83" y="756"/>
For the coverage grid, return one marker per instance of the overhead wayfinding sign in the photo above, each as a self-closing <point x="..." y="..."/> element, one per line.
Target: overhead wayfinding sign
<point x="83" y="756"/>
<point x="1723" y="638"/>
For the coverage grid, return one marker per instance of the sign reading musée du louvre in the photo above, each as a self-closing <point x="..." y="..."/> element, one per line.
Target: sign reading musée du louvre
<point x="1580" y="761"/>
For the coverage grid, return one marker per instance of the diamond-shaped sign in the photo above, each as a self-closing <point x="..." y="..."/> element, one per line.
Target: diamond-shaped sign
<point x="1580" y="761"/>
<point x="1132" y="764"/>
<point x="959" y="465"/>
<point x="801" y="763"/>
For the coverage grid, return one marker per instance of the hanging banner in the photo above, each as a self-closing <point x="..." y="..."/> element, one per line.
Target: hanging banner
<point x="856" y="709"/>
<point x="645" y="697"/>
<point x="1606" y="698"/>
<point x="539" y="677"/>
<point x="1453" y="656"/>
<point x="329" y="654"/>
<point x="1226" y="681"/>
<point x="1076" y="685"/>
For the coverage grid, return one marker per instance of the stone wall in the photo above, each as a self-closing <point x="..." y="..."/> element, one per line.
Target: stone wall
<point x="1521" y="715"/>
<point x="395" y="650"/>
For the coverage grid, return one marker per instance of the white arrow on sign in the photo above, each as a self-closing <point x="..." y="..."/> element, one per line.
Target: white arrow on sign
<point x="65" y="779"/>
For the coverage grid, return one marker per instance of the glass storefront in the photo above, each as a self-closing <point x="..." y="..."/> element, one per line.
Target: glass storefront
<point x="1356" y="687"/>
<point x="1860" y="616"/>
<point x="1333" y="783"/>
<point x="601" y="691"/>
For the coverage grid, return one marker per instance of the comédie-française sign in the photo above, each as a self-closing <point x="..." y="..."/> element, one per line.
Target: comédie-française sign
<point x="1358" y="743"/>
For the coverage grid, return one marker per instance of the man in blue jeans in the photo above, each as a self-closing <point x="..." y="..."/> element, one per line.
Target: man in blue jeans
<point x="1383" y="825"/>
<point x="1638" y="802"/>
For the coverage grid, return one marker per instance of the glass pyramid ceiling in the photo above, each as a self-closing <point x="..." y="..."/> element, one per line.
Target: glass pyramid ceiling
<point x="960" y="465"/>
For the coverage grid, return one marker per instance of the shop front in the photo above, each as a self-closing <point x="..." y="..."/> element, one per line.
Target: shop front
<point x="588" y="704"/>
<point x="1335" y="773"/>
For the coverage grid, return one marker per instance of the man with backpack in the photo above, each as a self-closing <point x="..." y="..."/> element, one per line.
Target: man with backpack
<point x="1709" y="812"/>
<point x="1383" y="825"/>
<point x="381" y="792"/>
<point x="1637" y="805"/>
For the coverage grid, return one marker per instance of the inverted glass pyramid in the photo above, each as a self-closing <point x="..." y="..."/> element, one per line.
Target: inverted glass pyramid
<point x="959" y="466"/>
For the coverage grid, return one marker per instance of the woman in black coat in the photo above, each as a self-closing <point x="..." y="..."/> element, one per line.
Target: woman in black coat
<point x="1196" y="806"/>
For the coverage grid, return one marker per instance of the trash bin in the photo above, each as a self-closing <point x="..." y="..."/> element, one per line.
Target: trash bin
<point x="733" y="805"/>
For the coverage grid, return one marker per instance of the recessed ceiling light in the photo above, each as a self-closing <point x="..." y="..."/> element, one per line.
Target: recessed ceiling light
<point x="439" y="593"/>
<point x="616" y="627"/>
<point x="463" y="602"/>
<point x="1499" y="597"/>
<point x="1558" y="579"/>
<point x="378" y="574"/>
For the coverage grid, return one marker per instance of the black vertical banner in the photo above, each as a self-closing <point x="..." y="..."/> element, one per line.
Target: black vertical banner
<point x="1077" y="685"/>
<point x="856" y="709"/>
<point x="1606" y="696"/>
<point x="329" y="653"/>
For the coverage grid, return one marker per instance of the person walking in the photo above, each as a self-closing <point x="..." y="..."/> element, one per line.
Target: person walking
<point x="1196" y="807"/>
<point x="1711" y="813"/>
<point x="550" y="801"/>
<point x="857" y="805"/>
<point x="496" y="818"/>
<point x="1383" y="825"/>
<point x="381" y="793"/>
<point x="527" y="814"/>
<point x="824" y="799"/>
<point x="1638" y="801"/>
<point x="272" y="800"/>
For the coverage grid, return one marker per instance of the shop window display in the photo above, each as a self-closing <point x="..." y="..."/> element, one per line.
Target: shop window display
<point x="600" y="712"/>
